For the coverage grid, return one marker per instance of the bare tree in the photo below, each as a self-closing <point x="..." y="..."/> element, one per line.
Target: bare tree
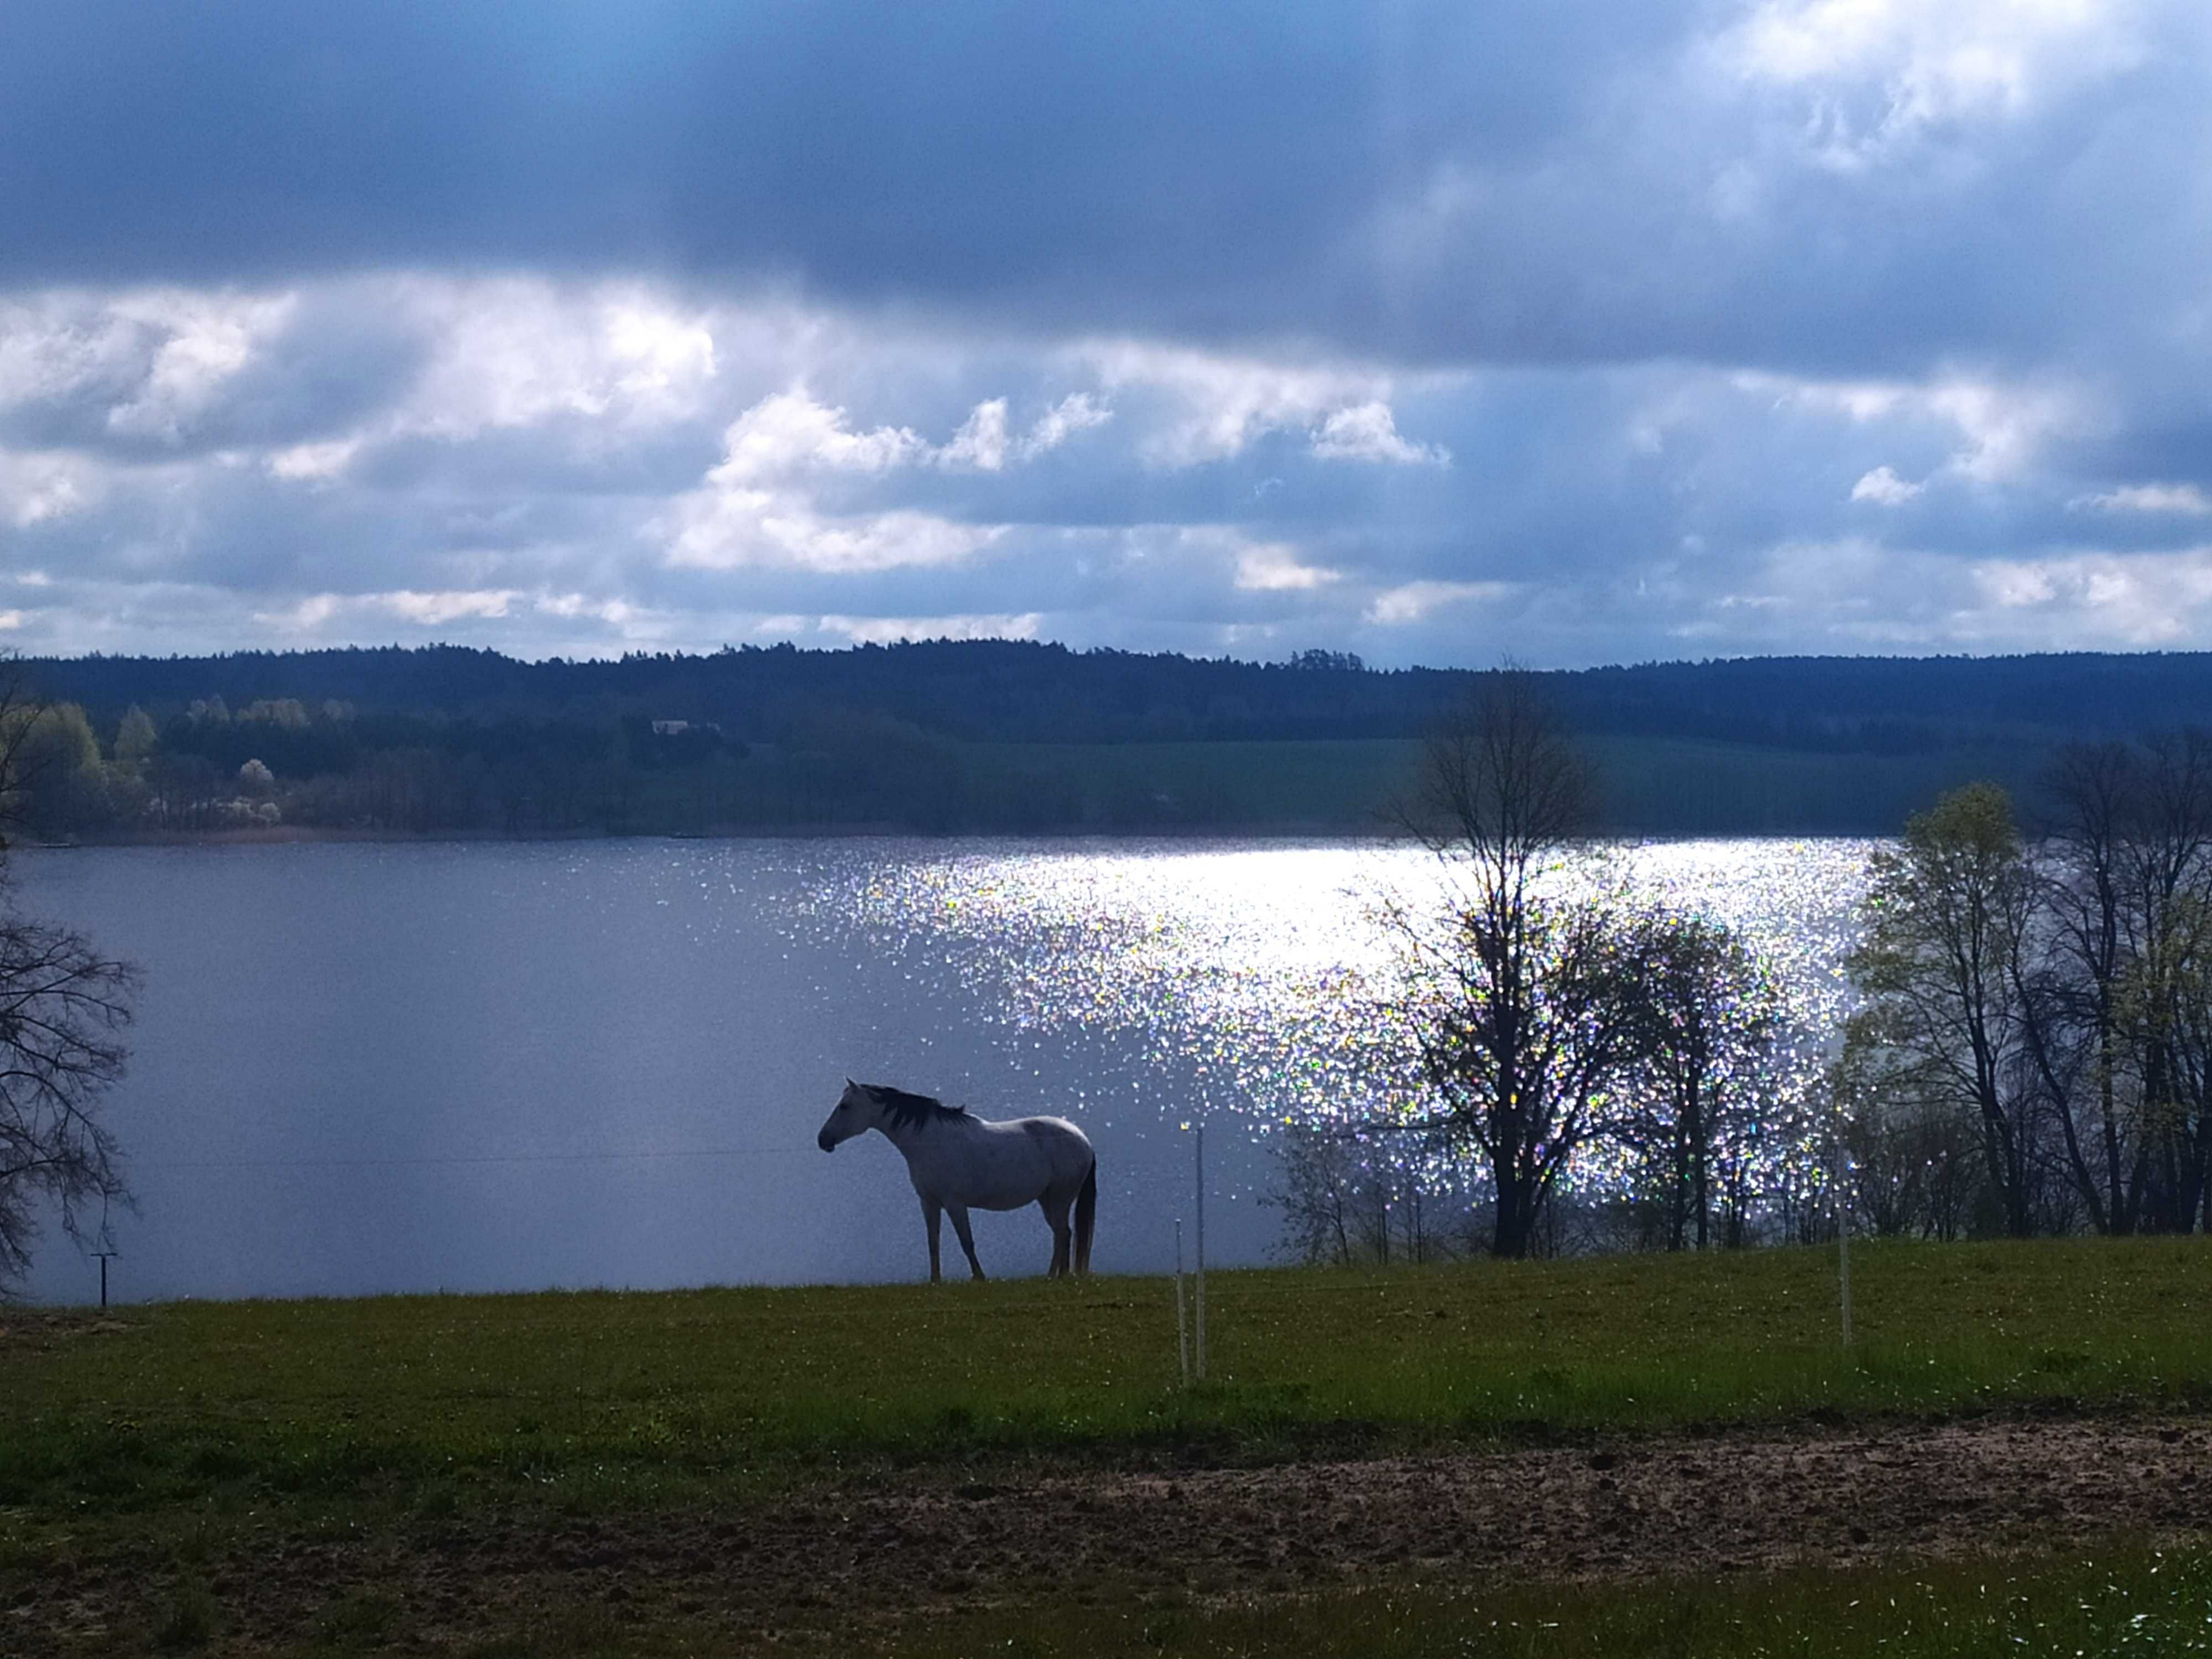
<point x="1359" y="1194"/>
<point x="1516" y="996"/>
<point x="62" y="1010"/>
<point x="2075" y="997"/>
<point x="2117" y="988"/>
<point x="1318" y="1193"/>
<point x="2169" y="864"/>
<point x="1504" y="787"/>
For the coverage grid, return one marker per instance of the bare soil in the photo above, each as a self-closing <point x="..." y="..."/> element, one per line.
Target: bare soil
<point x="804" y="1569"/>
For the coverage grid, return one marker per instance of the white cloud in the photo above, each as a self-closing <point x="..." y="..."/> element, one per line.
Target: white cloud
<point x="754" y="510"/>
<point x="44" y="486"/>
<point x="1368" y="432"/>
<point x="303" y="616"/>
<point x="887" y="630"/>
<point x="2184" y="498"/>
<point x="790" y="433"/>
<point x="435" y="609"/>
<point x="2003" y="427"/>
<point x="152" y="360"/>
<point x="1077" y="412"/>
<point x="54" y="344"/>
<point x="204" y="340"/>
<point x="571" y="607"/>
<point x="1412" y="602"/>
<point x="980" y="442"/>
<point x="1885" y="489"/>
<point x="604" y="444"/>
<point x="1220" y="405"/>
<point x="654" y="352"/>
<point x="2138" y="599"/>
<point x="722" y="528"/>
<point x="984" y="442"/>
<point x="1881" y="76"/>
<point x="424" y="609"/>
<point x="509" y="352"/>
<point x="1272" y="567"/>
<point x="315" y="463"/>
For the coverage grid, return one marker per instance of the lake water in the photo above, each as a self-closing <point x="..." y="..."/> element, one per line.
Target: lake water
<point x="484" y="1067"/>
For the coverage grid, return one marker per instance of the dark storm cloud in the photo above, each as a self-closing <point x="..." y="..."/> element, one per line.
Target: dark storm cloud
<point x="1427" y="181"/>
<point x="1007" y="142"/>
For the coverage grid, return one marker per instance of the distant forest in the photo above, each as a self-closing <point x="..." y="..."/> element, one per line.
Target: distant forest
<point x="998" y="735"/>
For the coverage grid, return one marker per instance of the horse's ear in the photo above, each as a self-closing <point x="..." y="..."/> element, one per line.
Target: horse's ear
<point x="849" y="1084"/>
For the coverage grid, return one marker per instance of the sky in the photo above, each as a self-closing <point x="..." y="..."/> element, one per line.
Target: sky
<point x="1573" y="331"/>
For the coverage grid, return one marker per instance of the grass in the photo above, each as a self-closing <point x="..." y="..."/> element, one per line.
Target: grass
<point x="620" y="1399"/>
<point x="2127" y="1604"/>
<point x="159" y="1448"/>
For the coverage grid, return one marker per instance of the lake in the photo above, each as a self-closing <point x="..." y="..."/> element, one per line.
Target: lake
<point x="509" y="1066"/>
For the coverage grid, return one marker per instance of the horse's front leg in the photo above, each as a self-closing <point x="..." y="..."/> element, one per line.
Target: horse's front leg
<point x="967" y="1238"/>
<point x="932" y="1214"/>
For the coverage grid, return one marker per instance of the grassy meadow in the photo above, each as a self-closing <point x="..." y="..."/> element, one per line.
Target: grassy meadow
<point x="621" y="1398"/>
<point x="147" y="1440"/>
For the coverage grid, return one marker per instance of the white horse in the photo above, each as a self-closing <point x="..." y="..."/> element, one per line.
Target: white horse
<point x="959" y="1162"/>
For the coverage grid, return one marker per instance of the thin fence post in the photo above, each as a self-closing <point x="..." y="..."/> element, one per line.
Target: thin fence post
<point x="1182" y="1331"/>
<point x="1201" y="1251"/>
<point x="1843" y="1243"/>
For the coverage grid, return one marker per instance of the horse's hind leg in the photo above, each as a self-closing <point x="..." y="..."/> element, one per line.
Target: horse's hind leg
<point x="959" y="1213"/>
<point x="1055" y="1215"/>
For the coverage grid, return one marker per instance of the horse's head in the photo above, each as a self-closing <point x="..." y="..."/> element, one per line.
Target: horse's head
<point x="856" y="1113"/>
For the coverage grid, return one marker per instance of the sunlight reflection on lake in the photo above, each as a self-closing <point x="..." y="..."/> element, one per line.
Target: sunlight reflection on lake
<point x="472" y="1066"/>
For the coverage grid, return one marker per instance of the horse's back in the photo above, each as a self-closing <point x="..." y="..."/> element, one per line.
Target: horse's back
<point x="1013" y="1162"/>
<point x="1051" y="1129"/>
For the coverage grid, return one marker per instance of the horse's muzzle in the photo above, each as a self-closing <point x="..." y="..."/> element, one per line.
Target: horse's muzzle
<point x="823" y="1141"/>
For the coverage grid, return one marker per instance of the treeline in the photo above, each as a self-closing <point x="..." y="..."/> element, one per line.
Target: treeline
<point x="2027" y="1051"/>
<point x="277" y="762"/>
<point x="996" y="735"/>
<point x="1020" y="692"/>
<point x="2041" y="1011"/>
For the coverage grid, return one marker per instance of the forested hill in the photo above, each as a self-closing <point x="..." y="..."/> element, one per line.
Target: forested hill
<point x="997" y="735"/>
<point x="1007" y="691"/>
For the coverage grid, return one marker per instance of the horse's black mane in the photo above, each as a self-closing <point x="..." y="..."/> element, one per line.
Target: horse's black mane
<point x="908" y="1111"/>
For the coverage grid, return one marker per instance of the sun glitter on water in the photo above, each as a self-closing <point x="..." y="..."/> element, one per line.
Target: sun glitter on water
<point x="1258" y="969"/>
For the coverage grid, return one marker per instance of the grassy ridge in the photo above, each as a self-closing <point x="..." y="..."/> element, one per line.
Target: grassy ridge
<point x="615" y="1398"/>
<point x="1648" y="786"/>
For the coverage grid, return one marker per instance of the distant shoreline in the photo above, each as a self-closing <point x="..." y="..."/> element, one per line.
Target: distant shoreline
<point x="303" y="835"/>
<point x="291" y="835"/>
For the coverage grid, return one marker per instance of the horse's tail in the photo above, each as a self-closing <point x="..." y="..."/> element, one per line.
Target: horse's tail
<point x="1087" y="1212"/>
